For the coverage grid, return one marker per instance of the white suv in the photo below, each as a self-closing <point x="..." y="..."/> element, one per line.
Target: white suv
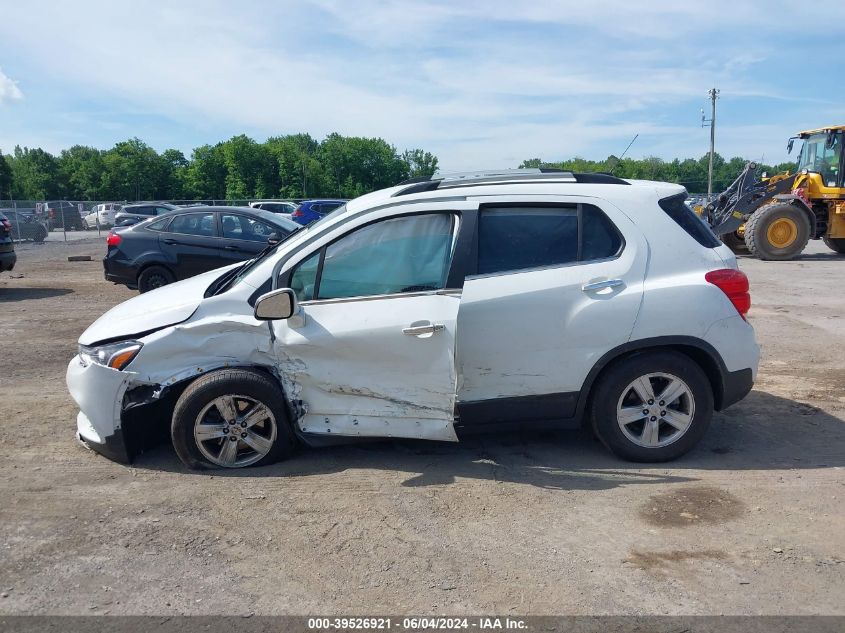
<point x="436" y="307"/>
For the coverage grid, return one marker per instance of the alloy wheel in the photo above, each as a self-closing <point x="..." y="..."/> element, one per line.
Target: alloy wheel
<point x="655" y="410"/>
<point x="235" y="431"/>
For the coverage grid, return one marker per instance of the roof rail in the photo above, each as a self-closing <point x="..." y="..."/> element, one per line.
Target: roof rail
<point x="502" y="176"/>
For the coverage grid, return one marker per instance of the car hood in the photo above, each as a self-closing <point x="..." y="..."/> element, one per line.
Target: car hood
<point x="152" y="310"/>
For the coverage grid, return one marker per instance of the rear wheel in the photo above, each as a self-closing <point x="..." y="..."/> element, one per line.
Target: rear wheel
<point x="778" y="232"/>
<point x="40" y="233"/>
<point x="154" y="277"/>
<point x="836" y="244"/>
<point x="652" y="406"/>
<point x="231" y="418"/>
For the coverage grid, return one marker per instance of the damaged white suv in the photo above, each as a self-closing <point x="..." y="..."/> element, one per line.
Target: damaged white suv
<point x="436" y="307"/>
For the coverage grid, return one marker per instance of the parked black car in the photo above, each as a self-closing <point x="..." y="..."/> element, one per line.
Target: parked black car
<point x="182" y="244"/>
<point x="25" y="225"/>
<point x="134" y="213"/>
<point x="60" y="214"/>
<point x="7" y="247"/>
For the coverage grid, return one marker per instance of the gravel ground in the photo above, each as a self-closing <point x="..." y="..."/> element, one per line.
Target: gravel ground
<point x="751" y="522"/>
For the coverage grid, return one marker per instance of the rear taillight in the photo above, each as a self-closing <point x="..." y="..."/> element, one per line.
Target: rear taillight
<point x="7" y="226"/>
<point x="735" y="285"/>
<point x="297" y="213"/>
<point x="51" y="213"/>
<point x="113" y="239"/>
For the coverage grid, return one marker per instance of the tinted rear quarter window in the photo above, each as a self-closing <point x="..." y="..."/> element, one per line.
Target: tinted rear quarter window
<point x="687" y="219"/>
<point x="519" y="238"/>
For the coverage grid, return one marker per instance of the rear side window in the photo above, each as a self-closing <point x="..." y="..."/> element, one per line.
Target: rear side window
<point x="194" y="224"/>
<point x="158" y="225"/>
<point x="519" y="238"/>
<point x="687" y="219"/>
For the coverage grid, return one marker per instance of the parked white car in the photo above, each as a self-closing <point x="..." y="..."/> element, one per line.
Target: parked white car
<point x="491" y="300"/>
<point x="276" y="206"/>
<point x="102" y="214"/>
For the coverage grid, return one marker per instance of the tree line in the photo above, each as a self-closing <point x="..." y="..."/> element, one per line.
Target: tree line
<point x="689" y="172"/>
<point x="291" y="166"/>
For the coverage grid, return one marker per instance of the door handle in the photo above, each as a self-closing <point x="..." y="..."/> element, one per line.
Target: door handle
<point x="167" y="240"/>
<point x="230" y="248"/>
<point x="600" y="285"/>
<point x="422" y="330"/>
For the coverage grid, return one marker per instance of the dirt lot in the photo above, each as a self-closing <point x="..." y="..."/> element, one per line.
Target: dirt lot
<point x="752" y="522"/>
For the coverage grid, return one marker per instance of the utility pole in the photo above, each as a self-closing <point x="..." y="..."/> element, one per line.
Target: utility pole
<point x="714" y="94"/>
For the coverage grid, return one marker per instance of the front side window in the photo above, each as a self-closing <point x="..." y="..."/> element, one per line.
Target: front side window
<point x="194" y="224"/>
<point x="239" y="227"/>
<point x="304" y="279"/>
<point x="407" y="254"/>
<point x="816" y="156"/>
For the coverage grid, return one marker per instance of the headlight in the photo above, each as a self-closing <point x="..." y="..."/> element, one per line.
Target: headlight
<point x="114" y="355"/>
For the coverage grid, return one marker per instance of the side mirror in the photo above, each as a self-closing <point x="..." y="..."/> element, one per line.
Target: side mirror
<point x="274" y="239"/>
<point x="789" y="145"/>
<point x="276" y="305"/>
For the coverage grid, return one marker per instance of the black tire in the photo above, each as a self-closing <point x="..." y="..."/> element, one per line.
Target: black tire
<point x="85" y="226"/>
<point x="613" y="385"/>
<point x="734" y="242"/>
<point x="153" y="277"/>
<point x="229" y="382"/>
<point x="836" y="244"/>
<point x="40" y="234"/>
<point x="757" y="232"/>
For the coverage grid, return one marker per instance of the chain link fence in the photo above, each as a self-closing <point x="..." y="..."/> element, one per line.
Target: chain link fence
<point x="35" y="220"/>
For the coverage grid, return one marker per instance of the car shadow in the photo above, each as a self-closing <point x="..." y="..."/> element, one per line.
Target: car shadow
<point x="804" y="257"/>
<point x="23" y="294"/>
<point x="763" y="432"/>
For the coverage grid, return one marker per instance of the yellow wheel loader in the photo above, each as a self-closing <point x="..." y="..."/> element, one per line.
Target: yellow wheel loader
<point x="774" y="218"/>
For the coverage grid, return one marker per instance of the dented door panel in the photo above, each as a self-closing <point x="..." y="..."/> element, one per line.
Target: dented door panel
<point x="358" y="373"/>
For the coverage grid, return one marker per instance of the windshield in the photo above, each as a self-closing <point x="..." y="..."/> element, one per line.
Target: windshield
<point x="270" y="250"/>
<point x="816" y="156"/>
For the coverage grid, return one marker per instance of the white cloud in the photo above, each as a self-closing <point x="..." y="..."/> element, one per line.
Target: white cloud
<point x="9" y="90"/>
<point x="479" y="82"/>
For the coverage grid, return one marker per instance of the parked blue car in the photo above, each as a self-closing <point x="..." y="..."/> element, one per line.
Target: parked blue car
<point x="311" y="210"/>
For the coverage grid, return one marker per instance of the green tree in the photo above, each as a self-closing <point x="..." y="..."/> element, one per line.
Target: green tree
<point x="174" y="167"/>
<point x="132" y="170"/>
<point x="419" y="162"/>
<point x="300" y="171"/>
<point x="82" y="169"/>
<point x="205" y="176"/>
<point x="5" y="177"/>
<point x="35" y="175"/>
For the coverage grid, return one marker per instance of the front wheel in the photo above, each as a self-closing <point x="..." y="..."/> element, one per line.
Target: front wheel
<point x="231" y="418"/>
<point x="777" y="232"/>
<point x="652" y="406"/>
<point x="836" y="244"/>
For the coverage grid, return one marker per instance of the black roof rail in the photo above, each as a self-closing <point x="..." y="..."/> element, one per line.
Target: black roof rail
<point x="599" y="178"/>
<point x="504" y="177"/>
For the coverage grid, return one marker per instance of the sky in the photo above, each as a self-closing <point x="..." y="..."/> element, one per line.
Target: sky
<point x="482" y="84"/>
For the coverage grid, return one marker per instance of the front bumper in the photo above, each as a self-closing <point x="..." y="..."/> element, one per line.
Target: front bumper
<point x="98" y="391"/>
<point x="113" y="446"/>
